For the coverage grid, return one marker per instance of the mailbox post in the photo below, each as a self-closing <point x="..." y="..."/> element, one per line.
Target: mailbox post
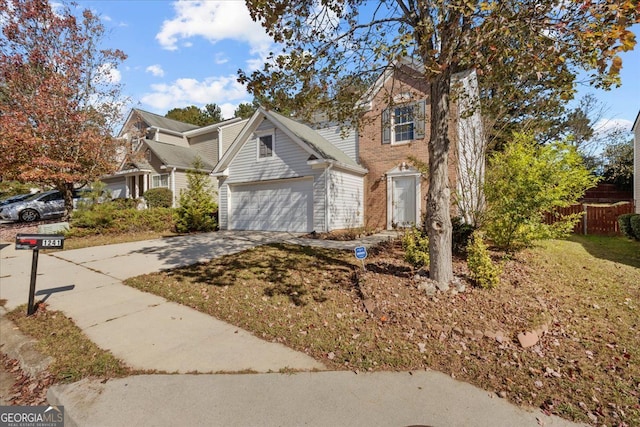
<point x="35" y="242"/>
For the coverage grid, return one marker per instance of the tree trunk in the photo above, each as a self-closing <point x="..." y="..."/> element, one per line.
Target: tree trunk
<point x="67" y="193"/>
<point x="438" y="197"/>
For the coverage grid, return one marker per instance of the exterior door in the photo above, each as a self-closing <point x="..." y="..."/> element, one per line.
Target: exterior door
<point x="404" y="201"/>
<point x="286" y="206"/>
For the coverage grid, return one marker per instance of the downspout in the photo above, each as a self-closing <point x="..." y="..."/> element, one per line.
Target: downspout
<point x="219" y="144"/>
<point x="173" y="186"/>
<point x="327" y="199"/>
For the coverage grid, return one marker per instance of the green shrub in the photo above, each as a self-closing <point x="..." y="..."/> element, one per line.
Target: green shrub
<point x="635" y="226"/>
<point x="483" y="271"/>
<point x="159" y="198"/>
<point x="197" y="209"/>
<point x="111" y="218"/>
<point x="122" y="203"/>
<point x="527" y="180"/>
<point x="461" y="233"/>
<point x="624" y="221"/>
<point x="416" y="248"/>
<point x="98" y="216"/>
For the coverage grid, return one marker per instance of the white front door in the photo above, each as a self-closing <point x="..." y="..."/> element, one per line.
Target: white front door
<point x="404" y="201"/>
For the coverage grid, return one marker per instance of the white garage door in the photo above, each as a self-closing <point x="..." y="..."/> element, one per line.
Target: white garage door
<point x="282" y="206"/>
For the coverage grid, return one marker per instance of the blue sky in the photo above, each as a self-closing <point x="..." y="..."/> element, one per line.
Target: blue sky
<point x="187" y="52"/>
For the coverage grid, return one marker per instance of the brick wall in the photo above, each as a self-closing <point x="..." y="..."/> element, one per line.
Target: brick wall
<point x="379" y="158"/>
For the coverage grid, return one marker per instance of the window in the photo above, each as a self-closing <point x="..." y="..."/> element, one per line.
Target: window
<point x="265" y="146"/>
<point x="403" y="123"/>
<point x="160" y="181"/>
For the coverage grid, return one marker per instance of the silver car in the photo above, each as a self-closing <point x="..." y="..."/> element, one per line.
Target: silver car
<point x="49" y="204"/>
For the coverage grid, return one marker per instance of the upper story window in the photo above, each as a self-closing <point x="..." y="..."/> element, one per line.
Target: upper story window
<point x="266" y="143"/>
<point x="403" y="123"/>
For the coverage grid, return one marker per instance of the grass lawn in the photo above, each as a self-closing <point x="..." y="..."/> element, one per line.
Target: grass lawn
<point x="586" y="290"/>
<point x="75" y="356"/>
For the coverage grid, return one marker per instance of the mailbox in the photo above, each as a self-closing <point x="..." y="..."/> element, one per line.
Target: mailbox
<point x="39" y="241"/>
<point x="36" y="242"/>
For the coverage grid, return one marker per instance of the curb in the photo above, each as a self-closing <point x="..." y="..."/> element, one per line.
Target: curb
<point x="18" y="346"/>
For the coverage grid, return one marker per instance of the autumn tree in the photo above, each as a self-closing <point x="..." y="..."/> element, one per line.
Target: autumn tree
<point x="58" y="97"/>
<point x="332" y="49"/>
<point x="210" y="114"/>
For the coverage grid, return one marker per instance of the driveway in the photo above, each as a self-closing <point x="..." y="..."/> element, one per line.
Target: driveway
<point x="144" y="330"/>
<point x="125" y="260"/>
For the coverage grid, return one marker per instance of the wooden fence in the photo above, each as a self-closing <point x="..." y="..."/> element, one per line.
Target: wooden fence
<point x="596" y="219"/>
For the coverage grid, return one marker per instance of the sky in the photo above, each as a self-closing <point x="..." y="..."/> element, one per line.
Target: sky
<point x="188" y="52"/>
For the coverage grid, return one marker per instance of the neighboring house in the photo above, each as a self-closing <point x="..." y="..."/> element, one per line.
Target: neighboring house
<point x="636" y="162"/>
<point x="162" y="150"/>
<point x="281" y="175"/>
<point x="393" y="145"/>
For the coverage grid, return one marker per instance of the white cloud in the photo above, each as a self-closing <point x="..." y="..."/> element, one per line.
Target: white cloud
<point x="107" y="73"/>
<point x="603" y="126"/>
<point x="183" y="92"/>
<point x="155" y="69"/>
<point x="220" y="59"/>
<point x="215" y="21"/>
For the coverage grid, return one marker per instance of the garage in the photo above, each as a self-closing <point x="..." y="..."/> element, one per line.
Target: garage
<point x="276" y="206"/>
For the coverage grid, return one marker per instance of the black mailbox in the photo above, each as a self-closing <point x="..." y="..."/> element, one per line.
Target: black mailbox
<point x="39" y="241"/>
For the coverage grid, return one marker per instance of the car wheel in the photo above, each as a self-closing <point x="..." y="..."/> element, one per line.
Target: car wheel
<point x="29" y="215"/>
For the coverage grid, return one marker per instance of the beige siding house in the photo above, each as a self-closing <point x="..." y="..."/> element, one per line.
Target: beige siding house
<point x="160" y="151"/>
<point x="281" y="175"/>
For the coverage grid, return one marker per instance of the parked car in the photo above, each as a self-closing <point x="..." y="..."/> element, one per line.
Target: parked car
<point x="16" y="198"/>
<point x="49" y="204"/>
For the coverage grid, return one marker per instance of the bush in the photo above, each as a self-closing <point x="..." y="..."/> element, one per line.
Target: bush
<point x="122" y="203"/>
<point x="197" y="210"/>
<point x="527" y="180"/>
<point x="98" y="217"/>
<point x="624" y="221"/>
<point x="110" y="218"/>
<point x="159" y="198"/>
<point x="416" y="248"/>
<point x="635" y="226"/>
<point x="483" y="271"/>
<point x="461" y="233"/>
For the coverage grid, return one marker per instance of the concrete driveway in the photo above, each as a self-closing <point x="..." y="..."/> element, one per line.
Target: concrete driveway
<point x="125" y="260"/>
<point x="144" y="330"/>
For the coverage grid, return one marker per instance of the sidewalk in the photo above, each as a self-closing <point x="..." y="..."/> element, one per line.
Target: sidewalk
<point x="148" y="332"/>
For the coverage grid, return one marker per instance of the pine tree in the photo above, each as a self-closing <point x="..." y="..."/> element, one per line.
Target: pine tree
<point x="197" y="206"/>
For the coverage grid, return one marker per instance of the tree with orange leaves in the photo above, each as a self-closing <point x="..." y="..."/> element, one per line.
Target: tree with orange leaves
<point x="58" y="96"/>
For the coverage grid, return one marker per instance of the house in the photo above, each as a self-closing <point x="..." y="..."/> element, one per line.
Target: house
<point x="162" y="150"/>
<point x="636" y="162"/>
<point x="282" y="175"/>
<point x="393" y="147"/>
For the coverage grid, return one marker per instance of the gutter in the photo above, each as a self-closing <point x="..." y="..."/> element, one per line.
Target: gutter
<point x="315" y="164"/>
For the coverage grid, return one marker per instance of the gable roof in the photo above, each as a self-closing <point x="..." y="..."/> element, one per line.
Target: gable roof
<point x="636" y="122"/>
<point x="312" y="139"/>
<point x="176" y="156"/>
<point x="158" y="121"/>
<point x="307" y="138"/>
